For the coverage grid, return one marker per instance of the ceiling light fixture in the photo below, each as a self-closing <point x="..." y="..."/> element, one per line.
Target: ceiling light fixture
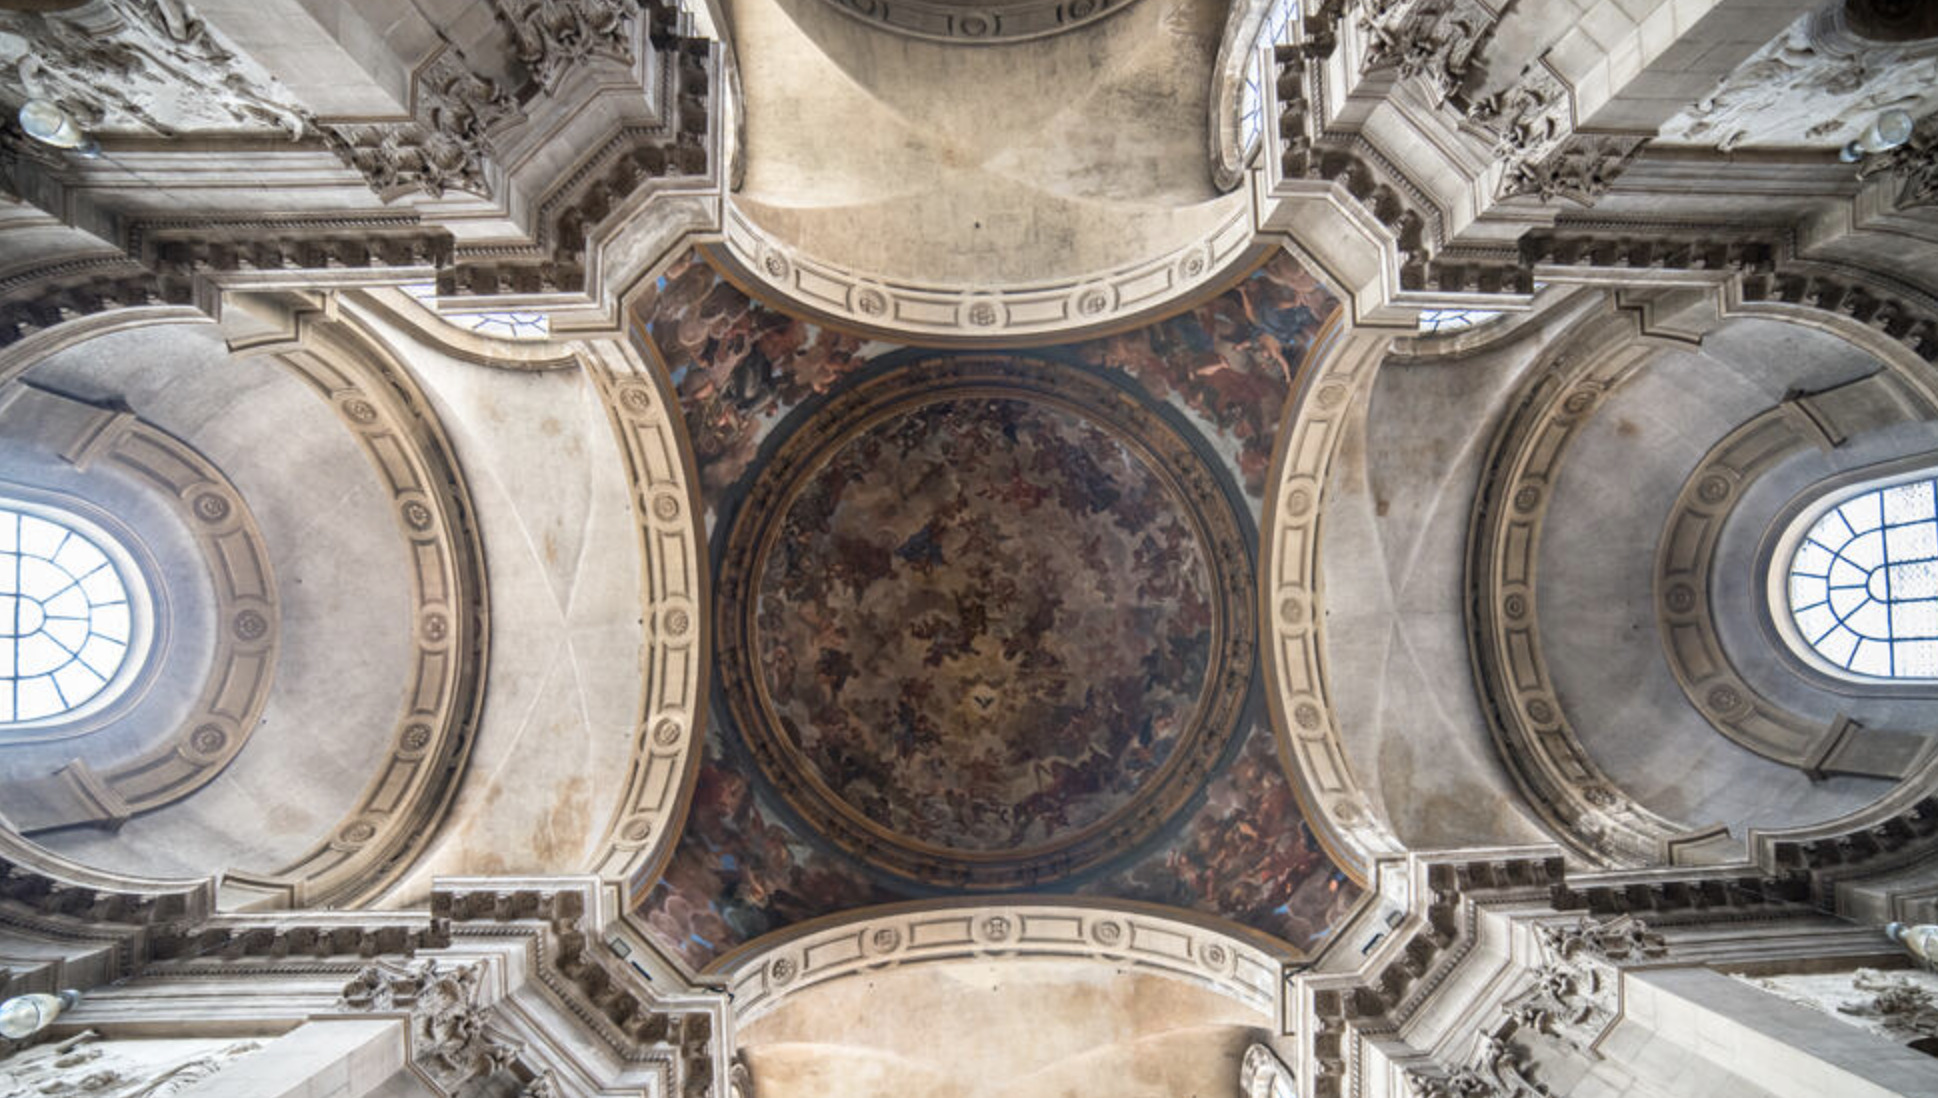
<point x="45" y="122"/>
<point x="1886" y="132"/>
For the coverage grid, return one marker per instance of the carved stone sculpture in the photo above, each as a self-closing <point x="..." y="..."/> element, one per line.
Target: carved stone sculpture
<point x="552" y="37"/>
<point x="450" y="1041"/>
<point x="1435" y="40"/>
<point x="444" y="148"/>
<point x="1582" y="169"/>
<point x="1499" y="1070"/>
<point x="1619" y="938"/>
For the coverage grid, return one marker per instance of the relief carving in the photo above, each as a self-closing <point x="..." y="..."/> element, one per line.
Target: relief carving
<point x="1914" y="165"/>
<point x="1500" y="1070"/>
<point x="552" y="37"/>
<point x="1574" y="998"/>
<point x="1436" y="40"/>
<point x="444" y="148"/>
<point x="1818" y="84"/>
<point x="450" y="1040"/>
<point x="141" y="66"/>
<point x="86" y="1065"/>
<point x="1582" y="169"/>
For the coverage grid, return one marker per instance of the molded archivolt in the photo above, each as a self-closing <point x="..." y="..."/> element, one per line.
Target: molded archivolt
<point x="666" y="505"/>
<point x="1339" y="371"/>
<point x="247" y="617"/>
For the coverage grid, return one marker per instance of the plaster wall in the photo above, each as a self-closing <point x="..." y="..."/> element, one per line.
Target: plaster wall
<point x="340" y="575"/>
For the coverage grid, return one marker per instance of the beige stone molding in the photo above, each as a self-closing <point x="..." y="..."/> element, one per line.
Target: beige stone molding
<point x="391" y="418"/>
<point x="1339" y="370"/>
<point x="960" y="24"/>
<point x="901" y="935"/>
<point x="1532" y="732"/>
<point x="666" y="505"/>
<point x="1064" y="307"/>
<point x="247" y="627"/>
<point x="1684" y="578"/>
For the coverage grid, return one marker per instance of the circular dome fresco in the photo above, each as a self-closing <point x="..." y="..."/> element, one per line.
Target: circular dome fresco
<point x="986" y="622"/>
<point x="970" y="22"/>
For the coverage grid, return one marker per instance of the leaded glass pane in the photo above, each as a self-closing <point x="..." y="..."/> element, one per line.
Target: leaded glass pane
<point x="64" y="620"/>
<point x="1863" y="582"/>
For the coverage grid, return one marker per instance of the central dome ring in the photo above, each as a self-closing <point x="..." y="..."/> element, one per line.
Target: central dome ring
<point x="986" y="621"/>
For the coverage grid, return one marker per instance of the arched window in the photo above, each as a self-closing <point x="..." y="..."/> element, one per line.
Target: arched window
<point x="1862" y="580"/>
<point x="73" y="616"/>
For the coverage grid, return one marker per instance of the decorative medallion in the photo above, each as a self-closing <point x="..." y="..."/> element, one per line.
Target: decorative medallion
<point x="978" y="614"/>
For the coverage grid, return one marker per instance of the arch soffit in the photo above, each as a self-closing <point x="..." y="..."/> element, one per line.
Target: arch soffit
<point x="1241" y="966"/>
<point x="1339" y="371"/>
<point x="248" y="615"/>
<point x="646" y="824"/>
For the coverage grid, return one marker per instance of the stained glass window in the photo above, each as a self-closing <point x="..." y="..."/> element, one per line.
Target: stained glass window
<point x="1863" y="582"/>
<point x="504" y="325"/>
<point x="66" y="621"/>
<point x="1448" y="321"/>
<point x="1276" y="30"/>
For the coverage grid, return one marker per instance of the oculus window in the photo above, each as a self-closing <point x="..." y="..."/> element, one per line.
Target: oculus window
<point x="1862" y="581"/>
<point x="73" y="616"/>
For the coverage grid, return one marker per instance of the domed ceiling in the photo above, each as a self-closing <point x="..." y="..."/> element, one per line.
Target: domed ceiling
<point x="985" y="622"/>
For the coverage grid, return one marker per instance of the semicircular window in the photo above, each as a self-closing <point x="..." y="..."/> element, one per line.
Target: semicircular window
<point x="68" y="623"/>
<point x="1863" y="581"/>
